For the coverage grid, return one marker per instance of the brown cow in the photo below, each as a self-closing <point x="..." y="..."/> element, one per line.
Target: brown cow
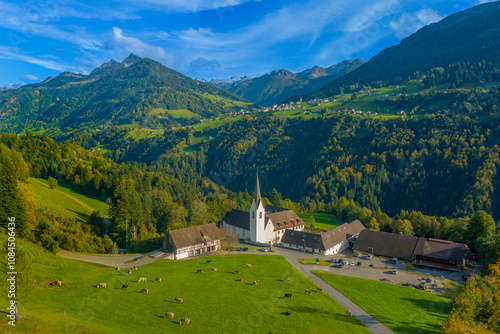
<point x="124" y="286"/>
<point x="319" y="289"/>
<point x="179" y="300"/>
<point x="208" y="261"/>
<point x="308" y="292"/>
<point x="128" y="272"/>
<point x="200" y="271"/>
<point x="350" y="313"/>
<point x="240" y="279"/>
<point x="286" y="279"/>
<point x="185" y="321"/>
<point x="287" y="313"/>
<point x="214" y="269"/>
<point x="145" y="290"/>
<point x="287" y="295"/>
<point x="117" y="269"/>
<point x="249" y="265"/>
<point x="169" y="315"/>
<point x="134" y="268"/>
<point x="102" y="285"/>
<point x="58" y="283"/>
<point x="158" y="279"/>
<point x="236" y="271"/>
<point x="142" y="279"/>
<point x="256" y="282"/>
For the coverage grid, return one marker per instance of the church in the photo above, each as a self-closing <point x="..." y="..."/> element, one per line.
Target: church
<point x="263" y="225"/>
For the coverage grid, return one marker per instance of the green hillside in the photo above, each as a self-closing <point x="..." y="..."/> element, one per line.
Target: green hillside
<point x="65" y="201"/>
<point x="214" y="301"/>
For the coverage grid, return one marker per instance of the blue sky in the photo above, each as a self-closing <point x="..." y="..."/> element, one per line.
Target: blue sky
<point x="204" y="38"/>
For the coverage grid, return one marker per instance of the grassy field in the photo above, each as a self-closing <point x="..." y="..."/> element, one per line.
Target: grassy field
<point x="323" y="220"/>
<point x="402" y="309"/>
<point x="214" y="301"/>
<point x="313" y="261"/>
<point x="65" y="201"/>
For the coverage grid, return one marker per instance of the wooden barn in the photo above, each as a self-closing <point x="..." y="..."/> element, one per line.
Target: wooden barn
<point x="192" y="241"/>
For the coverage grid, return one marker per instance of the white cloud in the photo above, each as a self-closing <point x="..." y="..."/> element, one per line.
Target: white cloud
<point x="186" y="6"/>
<point x="7" y="52"/>
<point x="30" y="77"/>
<point x="408" y="23"/>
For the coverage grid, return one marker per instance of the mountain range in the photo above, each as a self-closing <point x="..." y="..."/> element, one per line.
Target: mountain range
<point x="114" y="93"/>
<point x="470" y="36"/>
<point x="277" y="86"/>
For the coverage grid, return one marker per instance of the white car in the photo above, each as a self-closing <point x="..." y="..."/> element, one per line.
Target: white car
<point x="263" y="249"/>
<point x="353" y="263"/>
<point x="346" y="263"/>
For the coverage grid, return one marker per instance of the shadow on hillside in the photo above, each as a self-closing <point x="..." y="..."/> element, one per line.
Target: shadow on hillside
<point x="80" y="215"/>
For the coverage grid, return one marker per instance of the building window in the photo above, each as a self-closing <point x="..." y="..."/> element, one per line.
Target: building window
<point x="253" y="214"/>
<point x="260" y="215"/>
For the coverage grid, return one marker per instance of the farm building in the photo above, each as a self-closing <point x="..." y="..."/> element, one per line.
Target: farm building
<point x="331" y="242"/>
<point x="193" y="240"/>
<point x="441" y="254"/>
<point x="261" y="225"/>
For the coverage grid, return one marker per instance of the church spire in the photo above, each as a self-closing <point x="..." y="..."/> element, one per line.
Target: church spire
<point x="258" y="198"/>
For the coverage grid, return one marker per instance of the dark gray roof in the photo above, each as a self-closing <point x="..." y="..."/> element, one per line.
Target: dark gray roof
<point x="386" y="244"/>
<point x="295" y="237"/>
<point x="194" y="235"/>
<point x="441" y="249"/>
<point x="325" y="240"/>
<point x="238" y="218"/>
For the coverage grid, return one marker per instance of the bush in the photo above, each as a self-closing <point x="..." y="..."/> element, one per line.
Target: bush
<point x="52" y="183"/>
<point x="50" y="244"/>
<point x="409" y="266"/>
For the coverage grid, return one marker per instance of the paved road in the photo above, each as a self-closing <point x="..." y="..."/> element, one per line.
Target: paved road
<point x="109" y="260"/>
<point x="370" y="322"/>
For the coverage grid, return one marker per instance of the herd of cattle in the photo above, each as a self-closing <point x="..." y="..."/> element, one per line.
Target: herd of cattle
<point x="170" y="315"/>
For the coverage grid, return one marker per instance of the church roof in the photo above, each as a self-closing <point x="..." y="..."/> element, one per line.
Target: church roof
<point x="238" y="218"/>
<point x="258" y="198"/>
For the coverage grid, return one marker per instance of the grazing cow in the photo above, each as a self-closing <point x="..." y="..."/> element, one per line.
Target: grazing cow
<point x="208" y="261"/>
<point x="240" y="279"/>
<point x="319" y="289"/>
<point x="142" y="279"/>
<point x="58" y="283"/>
<point x="256" y="282"/>
<point x="134" y="268"/>
<point x="158" y="279"/>
<point x="102" y="285"/>
<point x="236" y="271"/>
<point x="286" y="279"/>
<point x="117" y="269"/>
<point x="249" y="265"/>
<point x="124" y="286"/>
<point x="185" y="321"/>
<point x="350" y="313"/>
<point x="214" y="269"/>
<point x="169" y="315"/>
<point x="287" y="313"/>
<point x="308" y="292"/>
<point x="287" y="295"/>
<point x="128" y="272"/>
<point x="200" y="271"/>
<point x="145" y="290"/>
<point x="179" y="300"/>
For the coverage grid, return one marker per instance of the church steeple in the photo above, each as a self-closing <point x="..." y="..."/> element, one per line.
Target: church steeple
<point x="258" y="198"/>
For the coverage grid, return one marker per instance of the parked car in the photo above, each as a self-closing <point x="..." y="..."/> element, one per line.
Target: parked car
<point x="353" y="263"/>
<point x="245" y="249"/>
<point x="263" y="249"/>
<point x="369" y="256"/>
<point x="359" y="263"/>
<point x="358" y="254"/>
<point x="341" y="261"/>
<point x="371" y="265"/>
<point x="346" y="263"/>
<point x="395" y="271"/>
<point x="333" y="261"/>
<point x="394" y="260"/>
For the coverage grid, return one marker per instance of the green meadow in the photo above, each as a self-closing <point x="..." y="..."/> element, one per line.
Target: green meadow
<point x="64" y="200"/>
<point x="324" y="221"/>
<point x="214" y="300"/>
<point x="400" y="308"/>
